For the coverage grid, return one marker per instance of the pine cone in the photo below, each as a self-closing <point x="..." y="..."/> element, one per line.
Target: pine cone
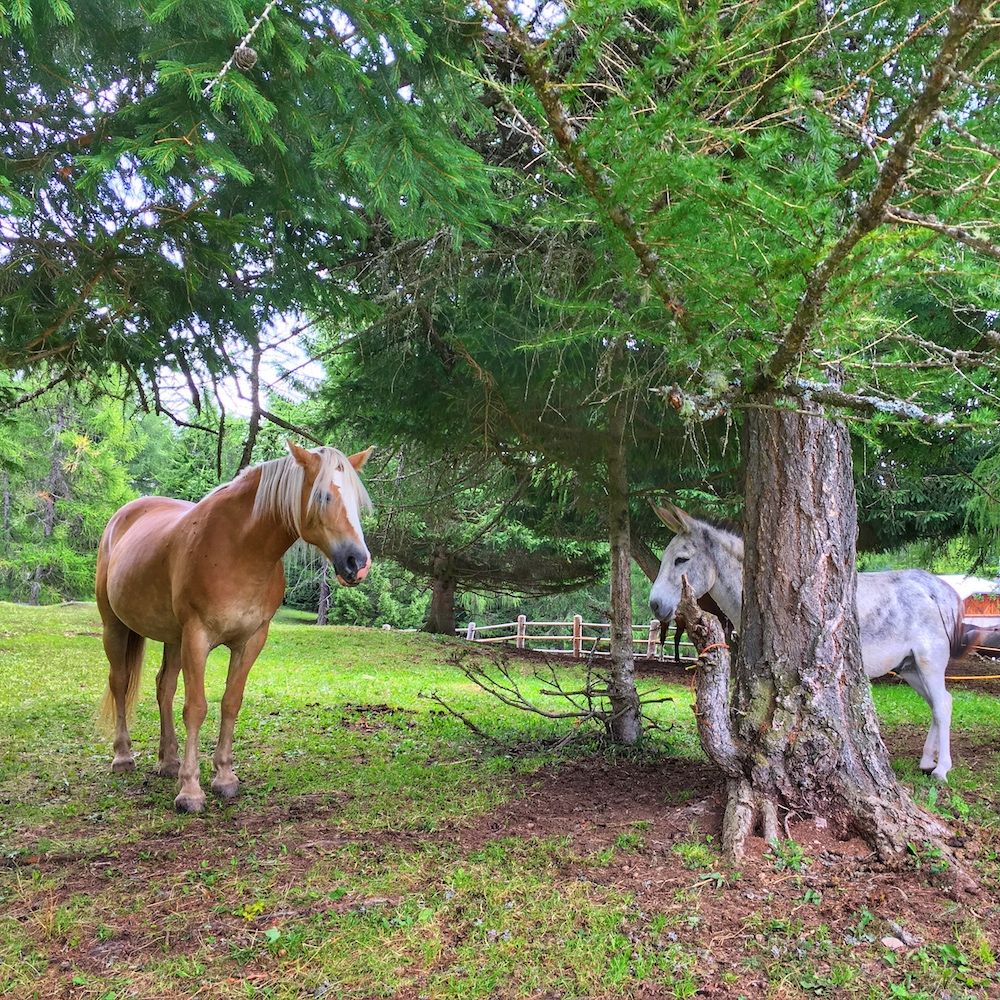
<point x="245" y="57"/>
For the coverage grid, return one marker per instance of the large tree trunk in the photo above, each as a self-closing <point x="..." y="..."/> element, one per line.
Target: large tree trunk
<point x="54" y="489"/>
<point x="323" y="608"/>
<point x="441" y="617"/>
<point x="626" y="724"/>
<point x="801" y="737"/>
<point x="645" y="558"/>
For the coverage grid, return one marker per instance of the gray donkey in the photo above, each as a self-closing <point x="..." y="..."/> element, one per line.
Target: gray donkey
<point x="911" y="621"/>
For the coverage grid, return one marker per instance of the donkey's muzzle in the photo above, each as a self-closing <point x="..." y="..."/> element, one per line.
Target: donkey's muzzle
<point x="662" y="612"/>
<point x="351" y="564"/>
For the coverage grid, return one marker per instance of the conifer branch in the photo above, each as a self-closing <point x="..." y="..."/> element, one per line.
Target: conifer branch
<point x="871" y="214"/>
<point x="904" y="216"/>
<point x="710" y="406"/>
<point x="566" y="136"/>
<point x="982" y="44"/>
<point x="243" y="43"/>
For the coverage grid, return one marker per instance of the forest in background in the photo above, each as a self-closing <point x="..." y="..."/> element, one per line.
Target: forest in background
<point x="66" y="464"/>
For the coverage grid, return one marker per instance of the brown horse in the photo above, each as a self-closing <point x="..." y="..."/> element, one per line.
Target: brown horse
<point x="197" y="576"/>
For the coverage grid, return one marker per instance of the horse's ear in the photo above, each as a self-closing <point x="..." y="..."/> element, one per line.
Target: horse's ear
<point x="306" y="458"/>
<point x="361" y="457"/>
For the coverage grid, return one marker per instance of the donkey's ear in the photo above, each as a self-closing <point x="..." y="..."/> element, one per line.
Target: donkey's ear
<point x="668" y="517"/>
<point x="361" y="457"/>
<point x="306" y="458"/>
<point x="674" y="518"/>
<point x="686" y="521"/>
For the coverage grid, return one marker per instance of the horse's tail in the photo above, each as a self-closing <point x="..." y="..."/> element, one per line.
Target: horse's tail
<point x="131" y="666"/>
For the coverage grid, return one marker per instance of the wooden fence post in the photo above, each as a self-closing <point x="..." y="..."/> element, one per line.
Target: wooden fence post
<point x="470" y="632"/>
<point x="577" y="636"/>
<point x="654" y="635"/>
<point x="521" y="629"/>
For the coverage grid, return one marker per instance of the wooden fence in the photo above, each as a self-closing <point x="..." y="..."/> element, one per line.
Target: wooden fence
<point x="575" y="638"/>
<point x="578" y="638"/>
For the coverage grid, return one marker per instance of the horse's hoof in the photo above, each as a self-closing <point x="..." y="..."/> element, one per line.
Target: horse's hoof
<point x="941" y="776"/>
<point x="227" y="791"/>
<point x="122" y="765"/>
<point x="186" y="803"/>
<point x="168" y="769"/>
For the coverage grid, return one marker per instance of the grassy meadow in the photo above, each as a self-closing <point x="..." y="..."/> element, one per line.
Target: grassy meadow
<point x="381" y="848"/>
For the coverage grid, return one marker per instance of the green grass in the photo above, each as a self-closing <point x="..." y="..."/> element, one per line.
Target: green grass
<point x="358" y="861"/>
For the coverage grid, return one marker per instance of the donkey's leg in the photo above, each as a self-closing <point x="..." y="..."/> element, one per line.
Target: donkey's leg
<point x="933" y="669"/>
<point x="116" y="642"/>
<point x="927" y="679"/>
<point x="225" y="782"/>
<point x="168" y="762"/>
<point x="194" y="652"/>
<point x="915" y="678"/>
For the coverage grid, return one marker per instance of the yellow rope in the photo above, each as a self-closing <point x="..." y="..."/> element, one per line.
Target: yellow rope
<point x="965" y="677"/>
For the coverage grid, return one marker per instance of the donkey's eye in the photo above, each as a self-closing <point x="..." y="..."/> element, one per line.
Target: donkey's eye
<point x="680" y="560"/>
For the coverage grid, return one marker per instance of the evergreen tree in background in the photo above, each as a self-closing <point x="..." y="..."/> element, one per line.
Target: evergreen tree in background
<point x="148" y="226"/>
<point x="64" y="470"/>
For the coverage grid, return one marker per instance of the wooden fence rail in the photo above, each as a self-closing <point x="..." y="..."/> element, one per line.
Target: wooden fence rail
<point x="576" y="638"/>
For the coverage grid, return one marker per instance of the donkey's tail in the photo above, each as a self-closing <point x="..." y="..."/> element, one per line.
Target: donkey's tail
<point x="964" y="638"/>
<point x="128" y="673"/>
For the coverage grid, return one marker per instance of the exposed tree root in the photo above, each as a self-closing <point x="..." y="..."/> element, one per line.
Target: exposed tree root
<point x="762" y="787"/>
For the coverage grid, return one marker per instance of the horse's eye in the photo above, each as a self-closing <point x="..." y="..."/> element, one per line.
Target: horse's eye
<point x="680" y="560"/>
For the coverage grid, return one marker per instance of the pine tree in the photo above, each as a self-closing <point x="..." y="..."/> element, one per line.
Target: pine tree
<point x="778" y="200"/>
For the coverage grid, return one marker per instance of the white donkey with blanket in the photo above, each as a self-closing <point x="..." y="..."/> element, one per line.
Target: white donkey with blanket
<point x="911" y="621"/>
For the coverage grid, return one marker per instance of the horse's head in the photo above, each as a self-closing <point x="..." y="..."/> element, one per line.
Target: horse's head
<point x="332" y="499"/>
<point x="688" y="554"/>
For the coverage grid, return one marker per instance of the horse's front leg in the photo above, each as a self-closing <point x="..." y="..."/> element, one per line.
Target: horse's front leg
<point x="225" y="782"/>
<point x="168" y="763"/>
<point x="194" y="651"/>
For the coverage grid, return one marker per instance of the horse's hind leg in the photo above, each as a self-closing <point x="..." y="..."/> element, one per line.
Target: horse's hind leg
<point x="168" y="762"/>
<point x="194" y="652"/>
<point x="225" y="782"/>
<point x="123" y="648"/>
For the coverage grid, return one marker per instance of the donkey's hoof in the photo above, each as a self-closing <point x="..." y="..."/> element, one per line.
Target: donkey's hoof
<point x="227" y="790"/>
<point x="188" y="803"/>
<point x="123" y="765"/>
<point x="941" y="776"/>
<point x="168" y="769"/>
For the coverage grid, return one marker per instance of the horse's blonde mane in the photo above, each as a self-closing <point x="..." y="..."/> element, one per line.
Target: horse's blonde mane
<point x="279" y="493"/>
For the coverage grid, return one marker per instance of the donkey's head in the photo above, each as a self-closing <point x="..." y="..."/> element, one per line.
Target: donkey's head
<point x="690" y="554"/>
<point x="331" y="503"/>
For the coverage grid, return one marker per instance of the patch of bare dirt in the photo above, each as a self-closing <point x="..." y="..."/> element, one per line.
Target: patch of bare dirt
<point x="643" y="815"/>
<point x="594" y="800"/>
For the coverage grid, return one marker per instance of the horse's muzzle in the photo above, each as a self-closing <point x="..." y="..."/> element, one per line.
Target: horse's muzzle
<point x="351" y="564"/>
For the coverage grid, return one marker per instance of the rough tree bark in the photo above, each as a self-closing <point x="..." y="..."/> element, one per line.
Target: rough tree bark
<point x="645" y="558"/>
<point x="799" y="737"/>
<point x="323" y="608"/>
<point x="441" y="616"/>
<point x="54" y="489"/>
<point x="626" y="724"/>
